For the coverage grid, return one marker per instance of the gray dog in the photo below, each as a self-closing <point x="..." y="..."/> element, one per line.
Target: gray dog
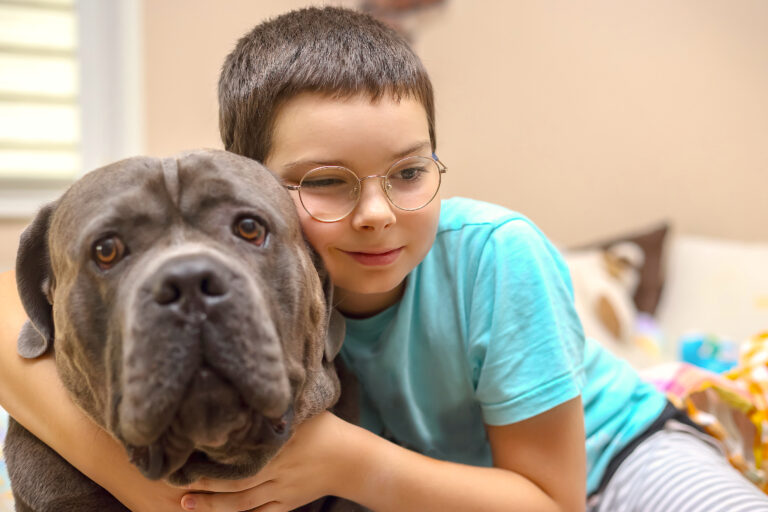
<point x="187" y="317"/>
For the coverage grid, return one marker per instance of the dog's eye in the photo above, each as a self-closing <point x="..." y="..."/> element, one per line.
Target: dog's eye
<point x="107" y="251"/>
<point x="251" y="230"/>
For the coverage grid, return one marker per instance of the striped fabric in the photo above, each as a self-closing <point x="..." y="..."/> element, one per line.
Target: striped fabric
<point x="679" y="470"/>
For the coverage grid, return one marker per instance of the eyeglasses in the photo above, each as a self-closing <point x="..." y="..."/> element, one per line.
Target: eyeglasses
<point x="330" y="193"/>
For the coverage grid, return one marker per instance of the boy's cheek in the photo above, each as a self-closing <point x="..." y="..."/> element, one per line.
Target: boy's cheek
<point x="317" y="233"/>
<point x="308" y="224"/>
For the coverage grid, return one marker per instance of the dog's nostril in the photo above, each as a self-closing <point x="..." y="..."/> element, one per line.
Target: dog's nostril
<point x="212" y="286"/>
<point x="195" y="287"/>
<point x="167" y="293"/>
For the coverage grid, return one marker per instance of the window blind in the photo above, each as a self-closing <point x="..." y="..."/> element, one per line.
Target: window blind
<point x="39" y="105"/>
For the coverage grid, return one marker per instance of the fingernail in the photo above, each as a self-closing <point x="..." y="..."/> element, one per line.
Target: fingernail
<point x="188" y="503"/>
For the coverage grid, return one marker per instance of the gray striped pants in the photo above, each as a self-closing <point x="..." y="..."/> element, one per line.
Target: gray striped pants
<point x="678" y="469"/>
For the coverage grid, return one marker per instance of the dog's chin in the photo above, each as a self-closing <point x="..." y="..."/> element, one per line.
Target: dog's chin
<point x="180" y="459"/>
<point x="201" y="464"/>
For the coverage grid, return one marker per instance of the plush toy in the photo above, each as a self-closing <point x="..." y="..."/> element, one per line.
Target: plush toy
<point x="604" y="283"/>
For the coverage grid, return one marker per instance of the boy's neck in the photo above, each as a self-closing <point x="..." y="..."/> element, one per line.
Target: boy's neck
<point x="365" y="305"/>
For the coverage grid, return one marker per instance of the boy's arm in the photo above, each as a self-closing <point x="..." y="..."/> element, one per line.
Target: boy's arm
<point x="540" y="465"/>
<point x="32" y="393"/>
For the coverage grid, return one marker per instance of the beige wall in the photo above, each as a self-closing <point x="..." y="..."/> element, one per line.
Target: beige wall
<point x="596" y="116"/>
<point x="591" y="116"/>
<point x="185" y="45"/>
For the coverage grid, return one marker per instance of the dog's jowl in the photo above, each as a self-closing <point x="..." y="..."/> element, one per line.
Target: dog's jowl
<point x="187" y="316"/>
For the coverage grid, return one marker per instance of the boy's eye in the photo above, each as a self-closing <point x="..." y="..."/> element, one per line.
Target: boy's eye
<point x="322" y="182"/>
<point x="327" y="178"/>
<point x="251" y="230"/>
<point x="107" y="251"/>
<point x="409" y="174"/>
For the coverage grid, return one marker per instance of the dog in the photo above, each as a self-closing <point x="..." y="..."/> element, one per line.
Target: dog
<point x="187" y="316"/>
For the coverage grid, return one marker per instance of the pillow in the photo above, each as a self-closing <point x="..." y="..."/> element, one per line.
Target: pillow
<point x="651" y="242"/>
<point x="716" y="287"/>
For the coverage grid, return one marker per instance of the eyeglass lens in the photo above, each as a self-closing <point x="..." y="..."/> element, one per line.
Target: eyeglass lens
<point x="330" y="193"/>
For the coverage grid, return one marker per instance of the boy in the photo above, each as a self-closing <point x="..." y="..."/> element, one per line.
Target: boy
<point x="460" y="324"/>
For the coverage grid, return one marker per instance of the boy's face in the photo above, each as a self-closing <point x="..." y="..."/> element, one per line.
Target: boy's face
<point x="371" y="251"/>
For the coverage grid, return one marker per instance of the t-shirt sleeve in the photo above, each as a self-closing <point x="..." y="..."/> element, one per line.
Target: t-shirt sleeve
<point x="526" y="343"/>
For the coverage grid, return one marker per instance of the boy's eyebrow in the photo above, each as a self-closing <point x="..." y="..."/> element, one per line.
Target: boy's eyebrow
<point x="419" y="146"/>
<point x="413" y="149"/>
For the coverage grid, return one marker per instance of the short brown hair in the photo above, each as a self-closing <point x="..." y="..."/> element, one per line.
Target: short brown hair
<point x="333" y="51"/>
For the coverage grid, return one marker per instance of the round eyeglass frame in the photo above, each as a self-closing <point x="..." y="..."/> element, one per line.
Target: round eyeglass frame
<point x="442" y="169"/>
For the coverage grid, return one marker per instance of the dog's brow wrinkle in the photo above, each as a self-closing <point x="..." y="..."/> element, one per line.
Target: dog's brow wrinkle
<point x="171" y="178"/>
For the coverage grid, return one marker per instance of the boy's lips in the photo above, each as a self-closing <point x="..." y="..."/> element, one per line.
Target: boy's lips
<point x="375" y="257"/>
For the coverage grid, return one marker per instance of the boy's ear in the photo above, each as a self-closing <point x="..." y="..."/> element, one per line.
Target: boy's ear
<point x="33" y="280"/>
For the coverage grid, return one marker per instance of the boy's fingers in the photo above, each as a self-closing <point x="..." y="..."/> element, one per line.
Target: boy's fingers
<point x="253" y="498"/>
<point x="215" y="485"/>
<point x="273" y="506"/>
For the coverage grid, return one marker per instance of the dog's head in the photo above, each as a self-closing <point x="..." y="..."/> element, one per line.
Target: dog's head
<point x="185" y="309"/>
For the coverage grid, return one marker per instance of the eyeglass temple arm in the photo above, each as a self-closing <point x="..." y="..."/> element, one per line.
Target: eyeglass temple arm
<point x="292" y="187"/>
<point x="440" y="165"/>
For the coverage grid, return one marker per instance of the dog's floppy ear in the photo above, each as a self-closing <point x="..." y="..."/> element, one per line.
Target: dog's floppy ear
<point x="33" y="279"/>
<point x="336" y="328"/>
<point x="335" y="336"/>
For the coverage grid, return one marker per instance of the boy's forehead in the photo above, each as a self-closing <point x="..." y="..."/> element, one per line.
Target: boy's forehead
<point x="313" y="125"/>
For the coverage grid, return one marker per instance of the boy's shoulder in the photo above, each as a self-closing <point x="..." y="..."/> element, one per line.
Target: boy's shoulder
<point x="459" y="213"/>
<point x="469" y="228"/>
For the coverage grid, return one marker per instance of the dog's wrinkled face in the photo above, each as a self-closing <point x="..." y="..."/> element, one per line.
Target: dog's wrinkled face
<point x="188" y="317"/>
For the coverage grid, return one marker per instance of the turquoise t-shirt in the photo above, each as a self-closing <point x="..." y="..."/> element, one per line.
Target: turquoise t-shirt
<point x="486" y="333"/>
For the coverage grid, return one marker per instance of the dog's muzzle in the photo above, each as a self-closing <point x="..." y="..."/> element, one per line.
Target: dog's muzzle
<point x="202" y="365"/>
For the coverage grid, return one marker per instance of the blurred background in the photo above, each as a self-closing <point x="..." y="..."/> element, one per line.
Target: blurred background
<point x="590" y="116"/>
<point x="595" y="118"/>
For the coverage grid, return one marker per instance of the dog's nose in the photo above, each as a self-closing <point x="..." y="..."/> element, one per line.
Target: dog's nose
<point x="193" y="280"/>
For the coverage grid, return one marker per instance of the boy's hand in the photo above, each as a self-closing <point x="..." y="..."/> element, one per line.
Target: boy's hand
<point x="309" y="466"/>
<point x="151" y="496"/>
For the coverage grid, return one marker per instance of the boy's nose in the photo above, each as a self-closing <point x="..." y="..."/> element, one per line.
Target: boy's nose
<point x="373" y="210"/>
